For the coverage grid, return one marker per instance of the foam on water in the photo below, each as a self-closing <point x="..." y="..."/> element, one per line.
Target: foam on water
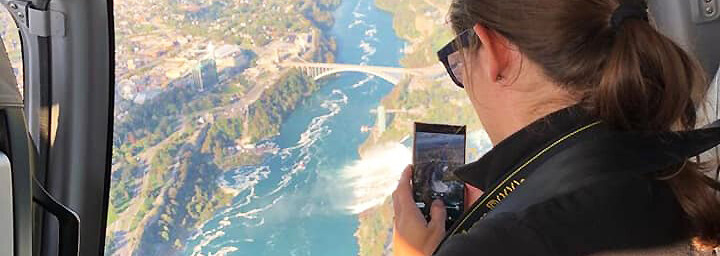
<point x="371" y="33"/>
<point x="206" y="240"/>
<point x="357" y="14"/>
<point x="369" y="51"/>
<point x="355" y="23"/>
<point x="374" y="177"/>
<point x="253" y="214"/>
<point x="243" y="181"/>
<point x="225" y="222"/>
<point x="363" y="82"/>
<point x="224" y="251"/>
<point x="315" y="131"/>
<point x="245" y="178"/>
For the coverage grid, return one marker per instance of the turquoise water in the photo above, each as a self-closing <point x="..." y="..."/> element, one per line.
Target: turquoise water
<point x="294" y="202"/>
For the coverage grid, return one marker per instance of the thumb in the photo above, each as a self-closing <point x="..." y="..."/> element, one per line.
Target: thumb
<point x="438" y="215"/>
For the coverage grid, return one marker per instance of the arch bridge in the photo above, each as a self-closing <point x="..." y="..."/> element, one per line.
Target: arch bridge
<point x="391" y="74"/>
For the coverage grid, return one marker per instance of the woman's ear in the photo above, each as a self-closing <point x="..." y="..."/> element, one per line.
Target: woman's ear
<point x="496" y="53"/>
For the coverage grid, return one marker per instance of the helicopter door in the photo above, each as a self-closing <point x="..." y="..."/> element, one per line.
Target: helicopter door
<point x="67" y="50"/>
<point x="21" y="195"/>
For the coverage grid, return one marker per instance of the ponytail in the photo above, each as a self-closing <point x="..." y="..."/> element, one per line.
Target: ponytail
<point x="650" y="83"/>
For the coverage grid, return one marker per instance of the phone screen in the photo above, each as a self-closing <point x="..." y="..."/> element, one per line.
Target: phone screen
<point x="438" y="150"/>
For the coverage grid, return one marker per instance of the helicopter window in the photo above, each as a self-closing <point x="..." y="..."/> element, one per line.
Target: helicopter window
<point x="275" y="126"/>
<point x="11" y="38"/>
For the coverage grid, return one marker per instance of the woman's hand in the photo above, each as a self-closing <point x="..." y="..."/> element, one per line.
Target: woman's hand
<point x="412" y="235"/>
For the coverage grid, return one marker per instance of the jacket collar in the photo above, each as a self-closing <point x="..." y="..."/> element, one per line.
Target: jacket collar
<point x="510" y="152"/>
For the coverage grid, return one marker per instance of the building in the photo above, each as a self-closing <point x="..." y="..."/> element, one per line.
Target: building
<point x="147" y="95"/>
<point x="381" y="119"/>
<point x="127" y="89"/>
<point x="204" y="75"/>
<point x="304" y="42"/>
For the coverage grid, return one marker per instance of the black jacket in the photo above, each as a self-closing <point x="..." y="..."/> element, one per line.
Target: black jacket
<point x="579" y="188"/>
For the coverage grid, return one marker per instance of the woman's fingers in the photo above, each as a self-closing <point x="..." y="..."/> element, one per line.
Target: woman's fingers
<point x="412" y="235"/>
<point x="396" y="197"/>
<point x="437" y="222"/>
<point x="396" y="204"/>
<point x="437" y="215"/>
<point x="402" y="197"/>
<point x="404" y="187"/>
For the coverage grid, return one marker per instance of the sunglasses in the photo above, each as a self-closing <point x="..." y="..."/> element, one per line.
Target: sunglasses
<point x="452" y="58"/>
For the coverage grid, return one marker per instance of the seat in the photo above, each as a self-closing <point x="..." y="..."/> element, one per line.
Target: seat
<point x="17" y="213"/>
<point x="6" y="207"/>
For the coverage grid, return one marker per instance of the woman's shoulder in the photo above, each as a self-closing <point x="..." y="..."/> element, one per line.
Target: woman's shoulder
<point x="611" y="216"/>
<point x="619" y="213"/>
<point x="592" y="195"/>
<point x="502" y="234"/>
<point x="599" y="165"/>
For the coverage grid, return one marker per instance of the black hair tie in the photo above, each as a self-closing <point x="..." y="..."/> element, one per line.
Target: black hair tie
<point x="628" y="11"/>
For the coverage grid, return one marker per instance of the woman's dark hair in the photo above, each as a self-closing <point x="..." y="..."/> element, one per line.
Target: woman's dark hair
<point x="631" y="76"/>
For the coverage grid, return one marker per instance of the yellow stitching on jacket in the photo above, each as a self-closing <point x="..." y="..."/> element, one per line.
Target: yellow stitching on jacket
<point x="518" y="170"/>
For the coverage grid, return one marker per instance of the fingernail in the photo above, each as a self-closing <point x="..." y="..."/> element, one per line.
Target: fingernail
<point x="437" y="202"/>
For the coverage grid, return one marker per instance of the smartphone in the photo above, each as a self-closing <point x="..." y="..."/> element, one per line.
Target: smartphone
<point x="437" y="151"/>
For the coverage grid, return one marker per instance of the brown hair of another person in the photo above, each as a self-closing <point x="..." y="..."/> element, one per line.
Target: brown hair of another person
<point x="631" y="76"/>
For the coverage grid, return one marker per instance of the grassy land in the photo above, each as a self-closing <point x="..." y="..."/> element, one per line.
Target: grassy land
<point x="421" y="23"/>
<point x="269" y="112"/>
<point x="373" y="224"/>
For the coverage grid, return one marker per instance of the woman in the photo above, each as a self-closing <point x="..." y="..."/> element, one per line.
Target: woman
<point x="580" y="98"/>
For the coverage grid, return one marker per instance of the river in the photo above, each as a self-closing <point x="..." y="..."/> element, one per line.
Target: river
<point x="295" y="203"/>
